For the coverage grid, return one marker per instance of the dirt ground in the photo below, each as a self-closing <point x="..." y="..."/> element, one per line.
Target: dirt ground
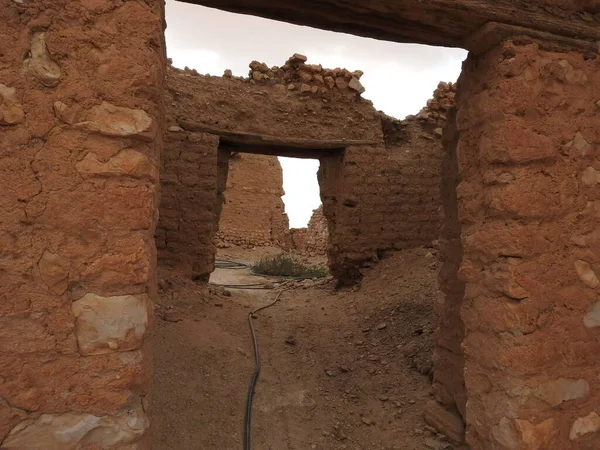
<point x="340" y="369"/>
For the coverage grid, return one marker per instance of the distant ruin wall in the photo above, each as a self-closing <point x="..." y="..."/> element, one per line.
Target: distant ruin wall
<point x="188" y="177"/>
<point x="408" y="184"/>
<point x="380" y="192"/>
<point x="253" y="212"/>
<point x="313" y="239"/>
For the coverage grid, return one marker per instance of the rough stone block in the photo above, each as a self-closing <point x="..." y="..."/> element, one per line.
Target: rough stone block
<point x="585" y="426"/>
<point x="40" y="63"/>
<point x="108" y="119"/>
<point x="105" y="324"/>
<point x="11" y="110"/>
<point x="54" y="270"/>
<point x="72" y="431"/>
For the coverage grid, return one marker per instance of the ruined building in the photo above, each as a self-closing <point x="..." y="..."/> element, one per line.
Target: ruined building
<point x="84" y="170"/>
<point x="252" y="211"/>
<point x="379" y="177"/>
<point x="311" y="240"/>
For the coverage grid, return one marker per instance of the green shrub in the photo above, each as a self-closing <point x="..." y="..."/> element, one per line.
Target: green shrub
<point x="286" y="266"/>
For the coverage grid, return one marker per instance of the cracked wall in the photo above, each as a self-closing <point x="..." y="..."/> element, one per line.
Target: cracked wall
<point x="80" y="126"/>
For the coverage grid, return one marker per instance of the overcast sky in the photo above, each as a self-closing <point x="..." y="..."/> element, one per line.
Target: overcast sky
<point x="399" y="78"/>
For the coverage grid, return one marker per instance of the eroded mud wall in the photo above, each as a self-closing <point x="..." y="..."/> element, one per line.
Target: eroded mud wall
<point x="528" y="204"/>
<point x="378" y="194"/>
<point x="81" y="132"/>
<point x="253" y="213"/>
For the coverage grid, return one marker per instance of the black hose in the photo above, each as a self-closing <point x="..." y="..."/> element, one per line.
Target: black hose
<point x="252" y="386"/>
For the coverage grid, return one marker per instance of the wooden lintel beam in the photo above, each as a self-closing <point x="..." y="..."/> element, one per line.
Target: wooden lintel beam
<point x="492" y="33"/>
<point x="433" y="22"/>
<point x="255" y="139"/>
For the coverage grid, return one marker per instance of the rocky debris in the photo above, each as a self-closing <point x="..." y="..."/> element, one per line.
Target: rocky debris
<point x="297" y="58"/>
<point x="71" y="431"/>
<point x="290" y="340"/>
<point x="592" y="318"/>
<point x="444" y="421"/>
<point x="11" y="110"/>
<point x="436" y="111"/>
<point x="107" y="119"/>
<point x="39" y="62"/>
<point x="107" y="324"/>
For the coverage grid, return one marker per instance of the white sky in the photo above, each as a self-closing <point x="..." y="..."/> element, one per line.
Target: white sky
<point x="399" y="78"/>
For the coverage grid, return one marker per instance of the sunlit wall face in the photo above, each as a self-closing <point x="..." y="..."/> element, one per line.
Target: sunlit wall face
<point x="399" y="78"/>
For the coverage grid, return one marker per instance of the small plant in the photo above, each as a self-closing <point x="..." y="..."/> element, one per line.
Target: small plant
<point x="284" y="265"/>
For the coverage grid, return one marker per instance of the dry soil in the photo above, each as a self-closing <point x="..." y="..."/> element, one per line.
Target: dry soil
<point x="340" y="369"/>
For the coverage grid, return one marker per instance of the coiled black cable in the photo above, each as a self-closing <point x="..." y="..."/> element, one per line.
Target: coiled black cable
<point x="255" y="375"/>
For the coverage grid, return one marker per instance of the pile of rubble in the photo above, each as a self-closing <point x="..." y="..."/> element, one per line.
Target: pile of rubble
<point x="296" y="75"/>
<point x="435" y="113"/>
<point x="431" y="120"/>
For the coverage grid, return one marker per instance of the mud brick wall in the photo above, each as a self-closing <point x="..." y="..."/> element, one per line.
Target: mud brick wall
<point x="528" y="205"/>
<point x="448" y="358"/>
<point x="363" y="186"/>
<point x="253" y="213"/>
<point x="313" y="239"/>
<point x="80" y="126"/>
<point x="186" y="225"/>
<point x="413" y="173"/>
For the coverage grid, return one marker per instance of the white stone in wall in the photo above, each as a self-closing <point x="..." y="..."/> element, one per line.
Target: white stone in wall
<point x="72" y="431"/>
<point x="106" y="324"/>
<point x="107" y="119"/>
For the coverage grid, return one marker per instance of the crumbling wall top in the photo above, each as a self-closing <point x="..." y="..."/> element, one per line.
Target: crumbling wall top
<point x="297" y="75"/>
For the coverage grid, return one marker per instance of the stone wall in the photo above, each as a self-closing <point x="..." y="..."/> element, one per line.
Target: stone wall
<point x="379" y="189"/>
<point x="253" y="213"/>
<point x="80" y="125"/>
<point x="313" y="239"/>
